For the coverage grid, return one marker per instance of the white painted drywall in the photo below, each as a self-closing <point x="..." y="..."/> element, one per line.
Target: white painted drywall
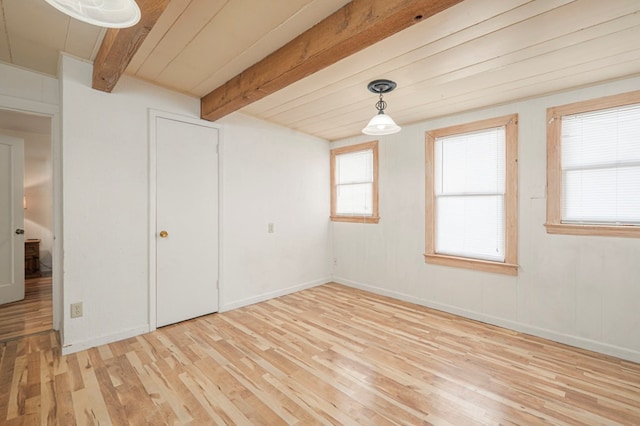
<point x="268" y="174"/>
<point x="20" y="84"/>
<point x="272" y="175"/>
<point x="580" y="290"/>
<point x="38" y="190"/>
<point x="105" y="209"/>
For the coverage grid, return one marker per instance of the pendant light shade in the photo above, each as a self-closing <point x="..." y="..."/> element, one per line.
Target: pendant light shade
<point x="103" y="13"/>
<point x="381" y="123"/>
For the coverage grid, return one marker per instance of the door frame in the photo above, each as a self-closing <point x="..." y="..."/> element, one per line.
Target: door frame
<point x="51" y="111"/>
<point x="154" y="114"/>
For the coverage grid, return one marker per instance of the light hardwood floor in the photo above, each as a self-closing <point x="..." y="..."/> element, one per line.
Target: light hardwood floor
<point x="327" y="355"/>
<point x="31" y="315"/>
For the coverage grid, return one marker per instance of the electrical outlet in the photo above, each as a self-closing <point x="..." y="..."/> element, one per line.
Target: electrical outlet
<point x="270" y="228"/>
<point x="76" y="310"/>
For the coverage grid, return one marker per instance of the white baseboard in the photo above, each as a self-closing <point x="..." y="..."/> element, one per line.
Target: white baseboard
<point x="109" y="338"/>
<point x="266" y="296"/>
<point x="580" y="342"/>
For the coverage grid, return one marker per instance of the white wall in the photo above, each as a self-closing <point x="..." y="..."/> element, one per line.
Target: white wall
<point x="580" y="290"/>
<point x="105" y="207"/>
<point x="38" y="189"/>
<point x="105" y="168"/>
<point x="272" y="175"/>
<point x="17" y="84"/>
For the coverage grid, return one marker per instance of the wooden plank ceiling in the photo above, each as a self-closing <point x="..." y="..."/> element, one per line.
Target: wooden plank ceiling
<point x="474" y="54"/>
<point x="353" y="27"/>
<point x="121" y="44"/>
<point x="32" y="35"/>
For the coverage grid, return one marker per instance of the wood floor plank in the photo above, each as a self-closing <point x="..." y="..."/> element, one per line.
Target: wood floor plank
<point x="7" y="366"/>
<point x="65" y="413"/>
<point x="210" y="390"/>
<point x="330" y="355"/>
<point x="18" y="383"/>
<point x="32" y="315"/>
<point x="107" y="390"/>
<point x="47" y="391"/>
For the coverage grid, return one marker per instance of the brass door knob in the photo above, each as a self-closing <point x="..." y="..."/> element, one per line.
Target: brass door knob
<point x="164" y="234"/>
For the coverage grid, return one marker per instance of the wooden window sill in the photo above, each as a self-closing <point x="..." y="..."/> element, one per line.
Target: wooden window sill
<point x="356" y="219"/>
<point x="629" y="231"/>
<point x="476" y="264"/>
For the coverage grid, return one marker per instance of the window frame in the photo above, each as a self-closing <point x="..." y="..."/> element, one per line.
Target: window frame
<point x="374" y="218"/>
<point x="510" y="264"/>
<point x="554" y="224"/>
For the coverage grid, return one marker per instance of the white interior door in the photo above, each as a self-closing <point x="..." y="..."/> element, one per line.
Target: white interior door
<point x="11" y="219"/>
<point x="186" y="220"/>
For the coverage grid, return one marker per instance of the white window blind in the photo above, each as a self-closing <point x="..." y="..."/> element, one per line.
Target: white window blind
<point x="601" y="166"/>
<point x="354" y="183"/>
<point x="469" y="191"/>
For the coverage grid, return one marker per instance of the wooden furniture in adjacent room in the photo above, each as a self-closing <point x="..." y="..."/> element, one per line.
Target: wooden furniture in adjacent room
<point x="32" y="259"/>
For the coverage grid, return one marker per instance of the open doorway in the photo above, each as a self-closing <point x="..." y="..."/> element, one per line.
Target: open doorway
<point x="33" y="314"/>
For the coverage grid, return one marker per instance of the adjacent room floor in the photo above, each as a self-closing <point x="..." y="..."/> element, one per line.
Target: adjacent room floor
<point x="31" y="315"/>
<point x="327" y="355"/>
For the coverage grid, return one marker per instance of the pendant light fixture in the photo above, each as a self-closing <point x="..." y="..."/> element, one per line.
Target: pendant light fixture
<point x="381" y="123"/>
<point x="103" y="13"/>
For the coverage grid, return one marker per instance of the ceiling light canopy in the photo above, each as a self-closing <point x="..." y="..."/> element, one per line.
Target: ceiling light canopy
<point x="381" y="123"/>
<point x="103" y="13"/>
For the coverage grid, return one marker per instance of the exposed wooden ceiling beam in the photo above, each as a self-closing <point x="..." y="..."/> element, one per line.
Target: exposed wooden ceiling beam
<point x="357" y="25"/>
<point x="119" y="45"/>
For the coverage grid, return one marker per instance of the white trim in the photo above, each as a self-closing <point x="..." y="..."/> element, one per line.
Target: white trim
<point x="28" y="106"/>
<point x="566" y="339"/>
<point x="220" y="218"/>
<point x="52" y="111"/>
<point x="154" y="114"/>
<point x="102" y="340"/>
<point x="271" y="295"/>
<point x="151" y="261"/>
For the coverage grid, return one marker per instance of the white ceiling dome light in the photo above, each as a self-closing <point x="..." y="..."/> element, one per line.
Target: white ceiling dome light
<point x="381" y="123"/>
<point x="103" y="13"/>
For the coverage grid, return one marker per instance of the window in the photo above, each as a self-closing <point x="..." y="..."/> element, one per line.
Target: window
<point x="472" y="195"/>
<point x="593" y="167"/>
<point x="354" y="183"/>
